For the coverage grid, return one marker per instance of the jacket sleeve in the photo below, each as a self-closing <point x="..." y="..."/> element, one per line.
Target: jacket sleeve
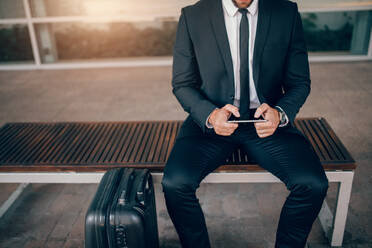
<point x="296" y="84"/>
<point x="186" y="80"/>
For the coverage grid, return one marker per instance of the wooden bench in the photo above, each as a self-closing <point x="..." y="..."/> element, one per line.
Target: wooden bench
<point x="80" y="152"/>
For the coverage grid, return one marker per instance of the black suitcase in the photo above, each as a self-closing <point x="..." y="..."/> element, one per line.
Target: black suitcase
<point x="123" y="212"/>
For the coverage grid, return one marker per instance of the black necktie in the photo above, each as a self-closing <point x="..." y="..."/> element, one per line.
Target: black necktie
<point x="244" y="69"/>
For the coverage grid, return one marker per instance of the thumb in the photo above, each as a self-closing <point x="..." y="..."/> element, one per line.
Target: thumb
<point x="232" y="109"/>
<point x="260" y="110"/>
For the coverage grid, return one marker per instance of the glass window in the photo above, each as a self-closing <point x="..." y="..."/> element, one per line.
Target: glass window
<point x="337" y="32"/>
<point x="15" y="45"/>
<point x="333" y="4"/>
<point x="132" y="9"/>
<point x="11" y="9"/>
<point x="72" y="41"/>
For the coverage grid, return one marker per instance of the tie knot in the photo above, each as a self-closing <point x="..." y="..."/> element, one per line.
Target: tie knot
<point x="243" y="11"/>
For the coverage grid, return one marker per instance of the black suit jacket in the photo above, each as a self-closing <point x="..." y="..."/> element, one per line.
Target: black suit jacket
<point x="202" y="72"/>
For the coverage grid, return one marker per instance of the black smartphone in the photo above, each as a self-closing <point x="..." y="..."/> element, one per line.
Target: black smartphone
<point x="234" y="119"/>
<point x="247" y="121"/>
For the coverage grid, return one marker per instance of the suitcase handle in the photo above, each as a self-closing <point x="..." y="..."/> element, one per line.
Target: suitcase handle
<point x="124" y="195"/>
<point x="144" y="178"/>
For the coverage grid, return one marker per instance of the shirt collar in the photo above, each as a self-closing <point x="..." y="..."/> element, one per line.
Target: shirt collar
<point x="232" y="9"/>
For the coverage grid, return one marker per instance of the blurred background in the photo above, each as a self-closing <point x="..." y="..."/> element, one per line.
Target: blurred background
<point x="111" y="60"/>
<point x="45" y="33"/>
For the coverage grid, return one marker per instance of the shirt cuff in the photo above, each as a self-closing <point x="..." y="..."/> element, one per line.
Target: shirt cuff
<point x="285" y="116"/>
<point x="207" y="123"/>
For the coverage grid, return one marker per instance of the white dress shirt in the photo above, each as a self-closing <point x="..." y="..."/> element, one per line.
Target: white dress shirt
<point x="232" y="23"/>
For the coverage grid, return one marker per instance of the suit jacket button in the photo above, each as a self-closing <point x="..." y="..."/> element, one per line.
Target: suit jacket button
<point x="231" y="97"/>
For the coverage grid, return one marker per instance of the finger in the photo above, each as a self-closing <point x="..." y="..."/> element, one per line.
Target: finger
<point x="264" y="128"/>
<point x="223" y="133"/>
<point x="227" y="125"/>
<point x="263" y="132"/>
<point x="260" y="110"/>
<point x="264" y="135"/>
<point x="232" y="109"/>
<point x="226" y="130"/>
<point x="264" y="125"/>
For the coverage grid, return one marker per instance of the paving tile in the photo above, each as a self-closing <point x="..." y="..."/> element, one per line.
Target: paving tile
<point x="235" y="233"/>
<point x="169" y="243"/>
<point x="64" y="226"/>
<point x="77" y="229"/>
<point x="54" y="243"/>
<point x="32" y="243"/>
<point x="74" y="243"/>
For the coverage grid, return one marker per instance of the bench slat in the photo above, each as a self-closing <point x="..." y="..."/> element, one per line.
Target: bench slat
<point x="317" y="140"/>
<point x="338" y="144"/>
<point x="332" y="148"/>
<point x="301" y="126"/>
<point x="95" y="146"/>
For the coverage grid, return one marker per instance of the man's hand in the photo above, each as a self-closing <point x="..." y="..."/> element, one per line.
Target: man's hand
<point x="265" y="129"/>
<point x="218" y="119"/>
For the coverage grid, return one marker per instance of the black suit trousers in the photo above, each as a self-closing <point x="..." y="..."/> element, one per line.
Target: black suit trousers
<point x="286" y="154"/>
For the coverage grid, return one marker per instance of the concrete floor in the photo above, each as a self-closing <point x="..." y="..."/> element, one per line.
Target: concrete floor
<point x="237" y="215"/>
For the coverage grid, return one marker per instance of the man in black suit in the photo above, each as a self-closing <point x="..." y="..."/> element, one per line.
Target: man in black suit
<point x="242" y="59"/>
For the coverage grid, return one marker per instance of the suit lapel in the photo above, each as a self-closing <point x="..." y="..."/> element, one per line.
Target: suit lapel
<point x="217" y="19"/>
<point x="263" y="23"/>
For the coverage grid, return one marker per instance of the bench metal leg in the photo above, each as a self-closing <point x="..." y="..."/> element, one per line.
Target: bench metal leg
<point x="343" y="200"/>
<point x="334" y="225"/>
